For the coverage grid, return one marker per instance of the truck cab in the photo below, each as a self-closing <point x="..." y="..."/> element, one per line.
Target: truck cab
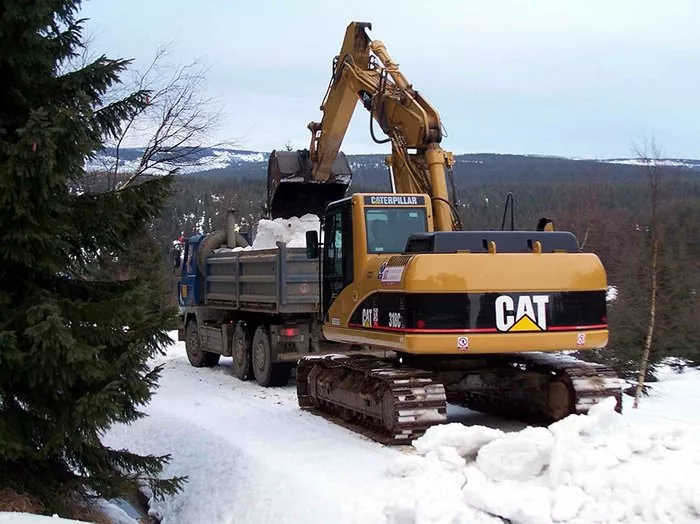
<point x="185" y="262"/>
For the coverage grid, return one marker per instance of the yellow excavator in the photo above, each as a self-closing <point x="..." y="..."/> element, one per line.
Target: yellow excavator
<point x="475" y="318"/>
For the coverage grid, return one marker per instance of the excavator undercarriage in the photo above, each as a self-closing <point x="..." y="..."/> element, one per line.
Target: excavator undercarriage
<point x="394" y="401"/>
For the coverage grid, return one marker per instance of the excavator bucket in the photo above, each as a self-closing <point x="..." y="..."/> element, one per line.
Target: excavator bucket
<point x="291" y="190"/>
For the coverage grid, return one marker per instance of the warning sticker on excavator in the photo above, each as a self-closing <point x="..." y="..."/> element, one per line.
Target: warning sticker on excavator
<point x="462" y="343"/>
<point x="523" y="313"/>
<point x="392" y="274"/>
<point x="381" y="270"/>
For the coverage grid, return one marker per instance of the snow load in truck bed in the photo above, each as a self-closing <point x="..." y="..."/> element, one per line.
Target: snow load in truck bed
<point x="290" y="230"/>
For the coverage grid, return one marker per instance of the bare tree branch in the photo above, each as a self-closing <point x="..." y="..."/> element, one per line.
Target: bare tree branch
<point x="174" y="126"/>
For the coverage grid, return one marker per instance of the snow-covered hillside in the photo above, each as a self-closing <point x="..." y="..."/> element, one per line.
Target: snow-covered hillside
<point x="252" y="456"/>
<point x="665" y="162"/>
<point x="207" y="159"/>
<point x="212" y="159"/>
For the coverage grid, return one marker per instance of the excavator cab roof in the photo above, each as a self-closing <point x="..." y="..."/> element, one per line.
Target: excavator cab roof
<point x="505" y="242"/>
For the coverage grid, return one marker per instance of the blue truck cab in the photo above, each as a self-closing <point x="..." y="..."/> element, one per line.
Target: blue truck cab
<point x="185" y="259"/>
<point x="189" y="292"/>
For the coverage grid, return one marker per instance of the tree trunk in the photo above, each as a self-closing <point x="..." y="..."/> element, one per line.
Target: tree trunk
<point x="650" y="331"/>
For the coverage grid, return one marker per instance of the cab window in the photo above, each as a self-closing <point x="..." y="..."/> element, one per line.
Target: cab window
<point x="388" y="228"/>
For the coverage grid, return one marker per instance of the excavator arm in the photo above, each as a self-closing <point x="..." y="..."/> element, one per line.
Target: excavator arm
<point x="364" y="72"/>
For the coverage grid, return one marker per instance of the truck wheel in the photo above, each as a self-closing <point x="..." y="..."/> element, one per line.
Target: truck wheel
<point x="266" y="372"/>
<point x="241" y="351"/>
<point x="195" y="354"/>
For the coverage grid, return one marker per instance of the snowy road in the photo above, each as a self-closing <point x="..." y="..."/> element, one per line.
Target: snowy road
<point x="252" y="456"/>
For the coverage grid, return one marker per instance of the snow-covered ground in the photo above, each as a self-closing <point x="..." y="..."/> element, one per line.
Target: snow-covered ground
<point x="11" y="517"/>
<point x="252" y="456"/>
<point x="114" y="513"/>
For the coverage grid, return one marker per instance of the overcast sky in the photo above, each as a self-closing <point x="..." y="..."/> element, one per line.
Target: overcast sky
<point x="585" y="79"/>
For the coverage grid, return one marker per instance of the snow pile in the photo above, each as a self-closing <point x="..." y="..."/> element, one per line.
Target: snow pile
<point x="292" y="231"/>
<point x="603" y="467"/>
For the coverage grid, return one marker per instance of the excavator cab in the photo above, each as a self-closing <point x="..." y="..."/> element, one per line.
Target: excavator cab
<point x="291" y="189"/>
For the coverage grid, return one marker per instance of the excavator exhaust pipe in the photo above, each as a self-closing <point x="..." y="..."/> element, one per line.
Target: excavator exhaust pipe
<point x="291" y="190"/>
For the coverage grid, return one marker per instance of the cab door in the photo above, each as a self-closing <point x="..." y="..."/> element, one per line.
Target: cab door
<point x="337" y="258"/>
<point x="188" y="287"/>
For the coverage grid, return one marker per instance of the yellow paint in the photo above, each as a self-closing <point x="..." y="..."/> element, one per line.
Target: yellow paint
<point x="525" y="324"/>
<point x="446" y="344"/>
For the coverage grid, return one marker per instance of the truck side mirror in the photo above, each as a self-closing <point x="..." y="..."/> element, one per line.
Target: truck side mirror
<point x="312" y="244"/>
<point x="177" y="260"/>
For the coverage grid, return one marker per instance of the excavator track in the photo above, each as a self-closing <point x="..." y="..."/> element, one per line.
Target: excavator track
<point x="394" y="404"/>
<point x="590" y="382"/>
<point x="389" y="404"/>
<point x="538" y="388"/>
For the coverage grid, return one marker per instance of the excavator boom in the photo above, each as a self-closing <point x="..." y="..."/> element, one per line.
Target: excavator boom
<point x="364" y="72"/>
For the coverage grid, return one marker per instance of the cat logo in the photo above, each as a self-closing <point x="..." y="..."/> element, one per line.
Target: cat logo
<point x="370" y="317"/>
<point x="366" y="318"/>
<point x="523" y="313"/>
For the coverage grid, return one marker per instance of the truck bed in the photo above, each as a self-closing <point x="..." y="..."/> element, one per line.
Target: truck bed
<point x="278" y="280"/>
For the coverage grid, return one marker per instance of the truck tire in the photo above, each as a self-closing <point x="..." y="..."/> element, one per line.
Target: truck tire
<point x="268" y="374"/>
<point x="195" y="354"/>
<point x="241" y="351"/>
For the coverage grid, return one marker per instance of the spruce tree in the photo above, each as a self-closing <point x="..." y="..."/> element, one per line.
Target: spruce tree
<point x="74" y="344"/>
